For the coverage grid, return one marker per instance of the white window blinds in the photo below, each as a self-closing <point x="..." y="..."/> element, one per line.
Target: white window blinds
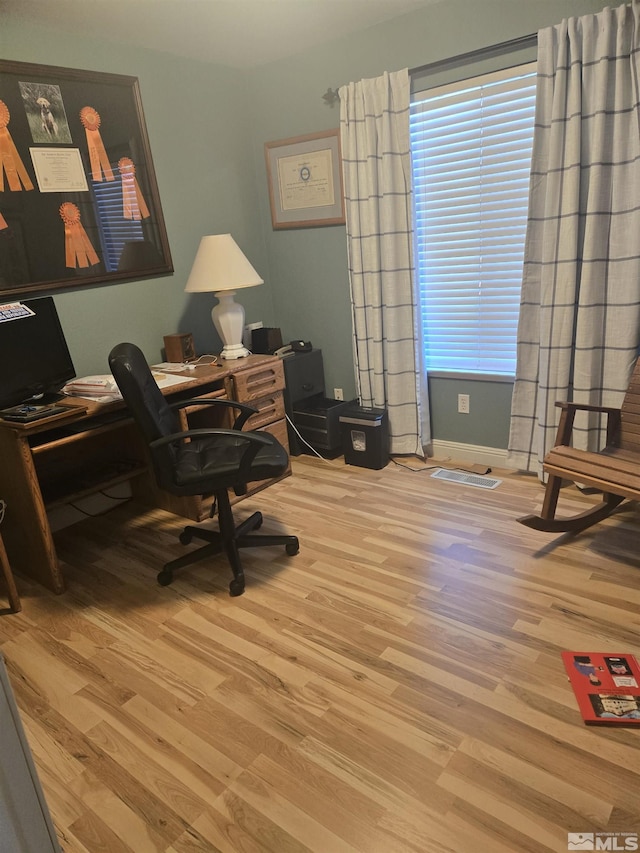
<point x="471" y="151"/>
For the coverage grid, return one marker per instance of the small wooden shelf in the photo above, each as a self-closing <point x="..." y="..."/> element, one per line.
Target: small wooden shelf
<point x="66" y="435"/>
<point x="92" y="481"/>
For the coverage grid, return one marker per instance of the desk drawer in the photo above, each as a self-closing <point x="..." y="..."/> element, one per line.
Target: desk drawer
<point x="257" y="382"/>
<point x="269" y="408"/>
<point x="203" y="416"/>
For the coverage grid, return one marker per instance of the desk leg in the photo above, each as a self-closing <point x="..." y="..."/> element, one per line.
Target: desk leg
<point x="12" y="592"/>
<point x="25" y="530"/>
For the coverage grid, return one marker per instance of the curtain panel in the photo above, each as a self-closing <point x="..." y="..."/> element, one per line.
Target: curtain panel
<point x="579" y="325"/>
<point x="374" y="129"/>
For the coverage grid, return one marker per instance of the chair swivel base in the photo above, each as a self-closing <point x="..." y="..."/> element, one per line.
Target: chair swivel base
<point x="228" y="539"/>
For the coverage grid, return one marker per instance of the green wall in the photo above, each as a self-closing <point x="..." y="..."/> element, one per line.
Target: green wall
<point x="207" y="126"/>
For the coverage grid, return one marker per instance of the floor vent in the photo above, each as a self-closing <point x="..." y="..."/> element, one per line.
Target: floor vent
<point x="466" y="479"/>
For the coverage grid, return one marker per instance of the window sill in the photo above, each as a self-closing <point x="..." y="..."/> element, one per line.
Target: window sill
<point x="478" y="377"/>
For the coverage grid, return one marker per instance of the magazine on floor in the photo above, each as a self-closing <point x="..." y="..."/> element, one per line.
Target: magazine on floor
<point x="606" y="686"/>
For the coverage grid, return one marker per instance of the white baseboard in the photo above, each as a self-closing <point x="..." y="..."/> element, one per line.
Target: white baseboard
<point x="491" y="456"/>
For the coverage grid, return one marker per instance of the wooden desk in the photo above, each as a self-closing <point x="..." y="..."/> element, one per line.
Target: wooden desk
<point x="62" y="459"/>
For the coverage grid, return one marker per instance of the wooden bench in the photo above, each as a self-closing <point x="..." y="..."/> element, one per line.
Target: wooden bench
<point x="614" y="471"/>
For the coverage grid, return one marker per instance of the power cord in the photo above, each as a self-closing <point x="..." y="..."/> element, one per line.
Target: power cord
<point x="214" y="359"/>
<point x="443" y="467"/>
<point x="115" y="498"/>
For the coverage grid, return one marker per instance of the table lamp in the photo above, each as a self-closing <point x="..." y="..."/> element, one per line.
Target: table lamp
<point x="221" y="268"/>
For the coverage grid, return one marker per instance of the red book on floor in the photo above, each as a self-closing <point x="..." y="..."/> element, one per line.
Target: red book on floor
<point x="606" y="686"/>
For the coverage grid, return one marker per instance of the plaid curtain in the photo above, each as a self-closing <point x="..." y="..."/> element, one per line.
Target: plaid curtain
<point x="579" y="326"/>
<point x="374" y="128"/>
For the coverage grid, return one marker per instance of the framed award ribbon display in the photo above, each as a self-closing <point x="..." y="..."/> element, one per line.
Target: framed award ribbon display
<point x="305" y="180"/>
<point x="79" y="202"/>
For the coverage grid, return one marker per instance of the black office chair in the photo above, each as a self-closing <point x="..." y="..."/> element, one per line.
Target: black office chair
<point x="201" y="461"/>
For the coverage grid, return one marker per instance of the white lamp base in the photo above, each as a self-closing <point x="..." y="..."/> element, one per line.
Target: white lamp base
<point x="228" y="318"/>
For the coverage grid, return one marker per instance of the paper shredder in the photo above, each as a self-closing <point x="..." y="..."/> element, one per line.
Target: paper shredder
<point x="365" y="436"/>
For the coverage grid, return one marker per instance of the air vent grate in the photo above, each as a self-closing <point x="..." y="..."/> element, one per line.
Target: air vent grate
<point x="466" y="479"/>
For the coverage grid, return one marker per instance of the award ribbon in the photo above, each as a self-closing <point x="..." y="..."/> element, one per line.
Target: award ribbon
<point x="78" y="249"/>
<point x="97" y="154"/>
<point x="133" y="204"/>
<point x="10" y="161"/>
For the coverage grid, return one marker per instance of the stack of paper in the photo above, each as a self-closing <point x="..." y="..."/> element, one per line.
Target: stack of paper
<point x="102" y="388"/>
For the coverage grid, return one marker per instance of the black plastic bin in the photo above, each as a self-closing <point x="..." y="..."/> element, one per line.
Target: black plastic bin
<point x="317" y="422"/>
<point x="365" y="436"/>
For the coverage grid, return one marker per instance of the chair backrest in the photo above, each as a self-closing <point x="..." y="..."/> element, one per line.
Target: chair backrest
<point x="146" y="403"/>
<point x="630" y="417"/>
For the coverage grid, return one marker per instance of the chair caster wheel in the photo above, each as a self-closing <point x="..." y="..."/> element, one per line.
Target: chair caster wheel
<point x="165" y="577"/>
<point x="292" y="549"/>
<point x="185" y="537"/>
<point x="236" y="587"/>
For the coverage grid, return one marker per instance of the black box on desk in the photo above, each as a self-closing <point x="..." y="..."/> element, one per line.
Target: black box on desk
<point x="316" y="419"/>
<point x="266" y="340"/>
<point x="365" y="436"/>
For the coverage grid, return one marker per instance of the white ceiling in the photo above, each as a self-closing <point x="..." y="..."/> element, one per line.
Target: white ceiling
<point x="237" y="33"/>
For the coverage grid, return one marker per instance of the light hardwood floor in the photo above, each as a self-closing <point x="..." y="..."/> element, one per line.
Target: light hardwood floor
<point x="396" y="687"/>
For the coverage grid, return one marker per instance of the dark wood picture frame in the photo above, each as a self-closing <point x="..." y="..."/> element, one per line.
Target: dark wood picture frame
<point x="79" y="201"/>
<point x="305" y="180"/>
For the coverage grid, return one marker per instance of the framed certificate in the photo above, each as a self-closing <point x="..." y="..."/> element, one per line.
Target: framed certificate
<point x="305" y="180"/>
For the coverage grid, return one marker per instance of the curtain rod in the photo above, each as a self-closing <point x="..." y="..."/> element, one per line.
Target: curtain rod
<point x="502" y="47"/>
<point x="331" y="96"/>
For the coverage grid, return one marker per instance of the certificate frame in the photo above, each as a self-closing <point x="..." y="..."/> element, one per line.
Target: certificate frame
<point x="304" y="174"/>
<point x="58" y="231"/>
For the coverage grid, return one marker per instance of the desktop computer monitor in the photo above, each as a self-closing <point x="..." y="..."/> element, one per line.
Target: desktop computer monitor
<point x="34" y="358"/>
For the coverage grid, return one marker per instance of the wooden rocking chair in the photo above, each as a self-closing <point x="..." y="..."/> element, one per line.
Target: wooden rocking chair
<point x="614" y="471"/>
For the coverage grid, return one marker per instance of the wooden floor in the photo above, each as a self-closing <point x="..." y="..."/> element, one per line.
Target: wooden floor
<point x="397" y="687"/>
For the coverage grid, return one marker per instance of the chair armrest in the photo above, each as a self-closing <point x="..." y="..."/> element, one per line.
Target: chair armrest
<point x="240" y="421"/>
<point x="250" y="437"/>
<point x="587" y="407"/>
<point x="567" y="416"/>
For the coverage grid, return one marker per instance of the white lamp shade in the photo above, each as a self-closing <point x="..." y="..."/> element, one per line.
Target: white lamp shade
<point x="220" y="265"/>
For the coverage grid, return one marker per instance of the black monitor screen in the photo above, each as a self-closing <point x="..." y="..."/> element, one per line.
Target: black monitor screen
<point x="34" y="358"/>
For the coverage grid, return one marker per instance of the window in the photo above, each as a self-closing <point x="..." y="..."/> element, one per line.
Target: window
<point x="471" y="151"/>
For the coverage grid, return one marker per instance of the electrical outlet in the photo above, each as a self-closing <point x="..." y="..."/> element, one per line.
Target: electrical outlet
<point x="337" y="394"/>
<point x="463" y="404"/>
